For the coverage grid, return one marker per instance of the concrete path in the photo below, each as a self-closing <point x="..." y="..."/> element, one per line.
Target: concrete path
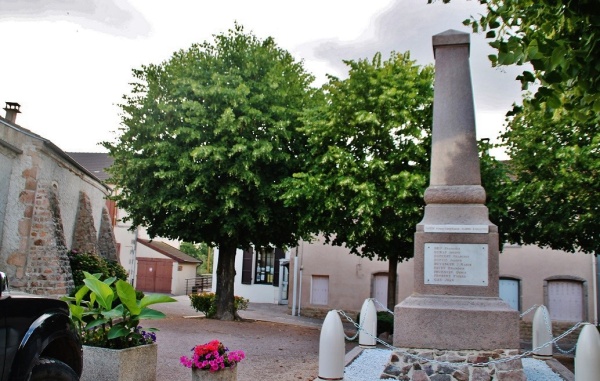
<point x="274" y="313"/>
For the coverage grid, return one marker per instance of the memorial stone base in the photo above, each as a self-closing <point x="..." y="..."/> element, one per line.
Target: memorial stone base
<point x="455" y="322"/>
<point x="451" y="365"/>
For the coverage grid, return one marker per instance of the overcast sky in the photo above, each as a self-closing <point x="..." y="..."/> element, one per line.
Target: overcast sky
<point x="68" y="62"/>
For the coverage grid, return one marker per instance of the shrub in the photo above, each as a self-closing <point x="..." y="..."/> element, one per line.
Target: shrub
<point x="385" y="322"/>
<point x="116" y="270"/>
<point x="206" y="302"/>
<point x="93" y="264"/>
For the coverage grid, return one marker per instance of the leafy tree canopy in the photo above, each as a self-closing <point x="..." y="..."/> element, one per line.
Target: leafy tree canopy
<point x="553" y="139"/>
<point x="555" y="196"/>
<point x="558" y="38"/>
<point x="367" y="163"/>
<point x="206" y="138"/>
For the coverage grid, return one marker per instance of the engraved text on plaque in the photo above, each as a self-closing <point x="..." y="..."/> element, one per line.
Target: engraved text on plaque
<point x="456" y="264"/>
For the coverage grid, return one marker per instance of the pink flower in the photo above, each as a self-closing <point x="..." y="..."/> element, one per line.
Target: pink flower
<point x="212" y="356"/>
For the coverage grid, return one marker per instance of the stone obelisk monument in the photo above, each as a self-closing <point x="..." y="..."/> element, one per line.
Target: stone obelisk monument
<point x="455" y="303"/>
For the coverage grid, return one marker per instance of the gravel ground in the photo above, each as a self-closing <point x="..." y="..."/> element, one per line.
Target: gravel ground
<point x="273" y="350"/>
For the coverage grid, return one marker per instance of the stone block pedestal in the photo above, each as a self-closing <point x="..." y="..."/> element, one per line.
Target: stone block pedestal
<point x="451" y="322"/>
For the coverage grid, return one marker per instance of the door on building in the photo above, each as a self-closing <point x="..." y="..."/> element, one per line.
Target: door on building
<point x="284" y="279"/>
<point x="154" y="275"/>
<point x="379" y="291"/>
<point x="565" y="300"/>
<point x="509" y="292"/>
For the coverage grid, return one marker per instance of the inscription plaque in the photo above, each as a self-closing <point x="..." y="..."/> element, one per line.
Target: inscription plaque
<point x="456" y="264"/>
<point x="465" y="229"/>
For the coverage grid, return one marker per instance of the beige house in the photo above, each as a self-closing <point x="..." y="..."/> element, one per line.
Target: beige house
<point x="163" y="268"/>
<point x="323" y="277"/>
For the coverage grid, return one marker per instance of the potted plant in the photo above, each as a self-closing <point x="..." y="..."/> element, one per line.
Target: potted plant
<point x="107" y="315"/>
<point x="213" y="362"/>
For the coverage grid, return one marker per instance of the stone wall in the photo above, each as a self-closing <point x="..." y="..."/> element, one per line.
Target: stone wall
<point x="48" y="271"/>
<point x="107" y="244"/>
<point x="49" y="205"/>
<point x="84" y="235"/>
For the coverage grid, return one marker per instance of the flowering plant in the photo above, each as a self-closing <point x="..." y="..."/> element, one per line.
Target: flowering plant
<point x="212" y="356"/>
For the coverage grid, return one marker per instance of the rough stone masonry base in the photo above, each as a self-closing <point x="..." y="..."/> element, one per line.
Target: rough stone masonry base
<point x="434" y="365"/>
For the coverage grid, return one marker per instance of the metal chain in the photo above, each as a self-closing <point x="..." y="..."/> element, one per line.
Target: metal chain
<point x="549" y="328"/>
<point x="529" y="310"/>
<point x="384" y="308"/>
<point x="358" y="328"/>
<point x="457" y="365"/>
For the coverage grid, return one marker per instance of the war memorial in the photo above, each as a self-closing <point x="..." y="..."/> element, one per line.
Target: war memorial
<point x="455" y="314"/>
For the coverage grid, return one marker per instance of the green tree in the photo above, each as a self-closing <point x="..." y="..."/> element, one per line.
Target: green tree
<point x="553" y="138"/>
<point x="554" y="198"/>
<point x="207" y="136"/>
<point x="367" y="163"/>
<point x="559" y="39"/>
<point x="199" y="251"/>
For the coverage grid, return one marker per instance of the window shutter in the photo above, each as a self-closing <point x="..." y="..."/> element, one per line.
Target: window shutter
<point x="279" y="254"/>
<point x="247" y="267"/>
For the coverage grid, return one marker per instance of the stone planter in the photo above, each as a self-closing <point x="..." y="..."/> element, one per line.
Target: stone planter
<point x="131" y="364"/>
<point x="227" y="374"/>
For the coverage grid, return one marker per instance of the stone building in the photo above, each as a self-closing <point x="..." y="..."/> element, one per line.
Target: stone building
<point x="49" y="204"/>
<point x="153" y="265"/>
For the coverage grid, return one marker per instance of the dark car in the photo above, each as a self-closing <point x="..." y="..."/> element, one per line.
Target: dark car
<point x="37" y="338"/>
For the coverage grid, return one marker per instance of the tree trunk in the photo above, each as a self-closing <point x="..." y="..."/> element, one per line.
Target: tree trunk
<point x="392" y="280"/>
<point x="225" y="278"/>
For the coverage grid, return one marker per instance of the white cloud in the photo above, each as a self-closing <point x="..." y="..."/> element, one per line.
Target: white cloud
<point x="69" y="71"/>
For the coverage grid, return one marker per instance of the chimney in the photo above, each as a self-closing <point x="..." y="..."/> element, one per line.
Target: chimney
<point x="12" y="109"/>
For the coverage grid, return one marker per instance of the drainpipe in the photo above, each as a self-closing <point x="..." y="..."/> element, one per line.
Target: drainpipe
<point x="295" y="285"/>
<point x="300" y="280"/>
<point x="133" y="256"/>
<point x="595" y="274"/>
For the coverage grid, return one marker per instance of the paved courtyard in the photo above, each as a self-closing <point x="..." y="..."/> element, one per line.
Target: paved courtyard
<point x="278" y="346"/>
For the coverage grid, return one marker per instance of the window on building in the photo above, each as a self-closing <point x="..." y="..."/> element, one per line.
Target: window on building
<point x="510" y="292"/>
<point x="265" y="266"/>
<point x="261" y="266"/>
<point x="319" y="290"/>
<point x="566" y="300"/>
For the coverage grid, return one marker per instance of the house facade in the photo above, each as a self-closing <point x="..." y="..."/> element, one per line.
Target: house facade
<point x="261" y="276"/>
<point x="324" y="277"/>
<point x="49" y="204"/>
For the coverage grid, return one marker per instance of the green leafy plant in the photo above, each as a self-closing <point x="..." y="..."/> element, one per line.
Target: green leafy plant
<point x="206" y="302"/>
<point x="107" y="313"/>
<point x="93" y="264"/>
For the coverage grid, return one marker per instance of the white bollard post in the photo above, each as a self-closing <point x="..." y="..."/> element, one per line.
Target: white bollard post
<point x="368" y="323"/>
<point x="541" y="330"/>
<point x="332" y="348"/>
<point x="587" y="357"/>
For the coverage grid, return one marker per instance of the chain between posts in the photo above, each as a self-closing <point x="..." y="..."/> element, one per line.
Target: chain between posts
<point x="457" y="365"/>
<point x="359" y="327"/>
<point x="549" y="328"/>
<point x="529" y="310"/>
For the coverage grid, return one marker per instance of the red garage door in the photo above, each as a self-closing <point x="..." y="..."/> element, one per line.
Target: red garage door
<point x="154" y="275"/>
